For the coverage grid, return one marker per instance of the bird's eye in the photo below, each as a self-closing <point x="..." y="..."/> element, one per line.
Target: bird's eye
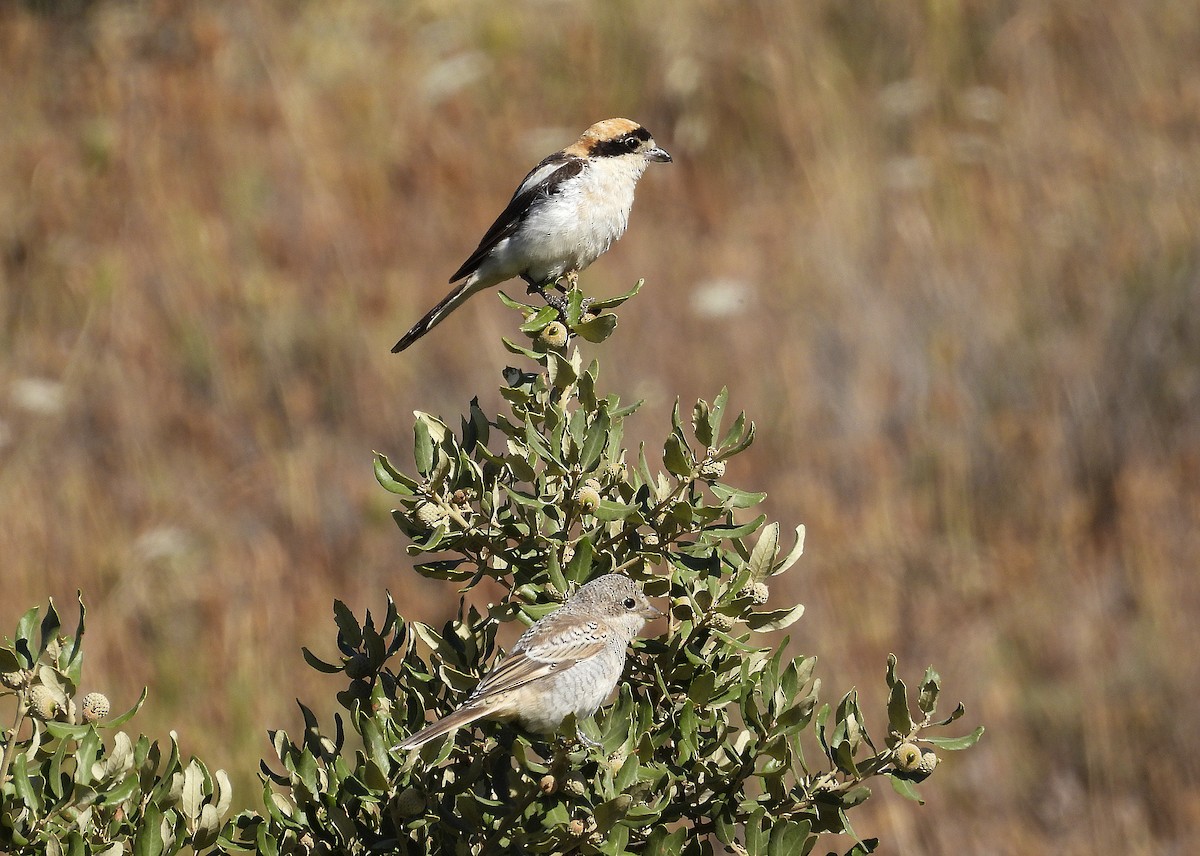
<point x="629" y="603"/>
<point x="632" y="143"/>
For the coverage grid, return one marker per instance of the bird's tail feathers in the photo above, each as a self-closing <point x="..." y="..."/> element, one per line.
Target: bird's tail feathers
<point x="434" y="316"/>
<point x="462" y="716"/>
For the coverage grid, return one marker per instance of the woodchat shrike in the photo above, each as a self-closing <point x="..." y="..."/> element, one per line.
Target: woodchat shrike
<point x="563" y="216"/>
<point x="567" y="662"/>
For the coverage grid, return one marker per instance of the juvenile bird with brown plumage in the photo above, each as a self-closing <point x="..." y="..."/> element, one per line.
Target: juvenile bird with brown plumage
<point x="563" y="216"/>
<point x="567" y="662"/>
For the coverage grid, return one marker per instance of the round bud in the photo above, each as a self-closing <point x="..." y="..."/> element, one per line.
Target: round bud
<point x="720" y="621"/>
<point x="548" y="784"/>
<point x="554" y="335"/>
<point x="409" y="801"/>
<point x="617" y="472"/>
<point x="712" y="470"/>
<point x="459" y="497"/>
<point x="929" y="760"/>
<point x="14" y="680"/>
<point x="429" y="514"/>
<point x="95" y="707"/>
<point x="908" y="757"/>
<point x="615" y="762"/>
<point x="42" y="703"/>
<point x="593" y="483"/>
<point x="574" y="785"/>
<point x="757" y="592"/>
<point x="358" y="666"/>
<point x="575" y="828"/>
<point x="587" y="499"/>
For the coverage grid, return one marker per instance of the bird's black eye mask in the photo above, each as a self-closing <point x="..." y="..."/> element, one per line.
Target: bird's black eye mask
<point x="622" y="145"/>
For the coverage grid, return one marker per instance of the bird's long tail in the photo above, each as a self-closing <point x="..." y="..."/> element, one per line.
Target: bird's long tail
<point x="434" y="316"/>
<point x="463" y="716"/>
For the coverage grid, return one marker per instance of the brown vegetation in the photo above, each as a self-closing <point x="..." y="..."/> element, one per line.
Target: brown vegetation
<point x="947" y="255"/>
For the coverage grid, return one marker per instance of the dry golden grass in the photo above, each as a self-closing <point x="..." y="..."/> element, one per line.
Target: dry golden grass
<point x="945" y="254"/>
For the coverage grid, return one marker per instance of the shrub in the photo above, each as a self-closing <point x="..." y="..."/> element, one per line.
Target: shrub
<point x="716" y="735"/>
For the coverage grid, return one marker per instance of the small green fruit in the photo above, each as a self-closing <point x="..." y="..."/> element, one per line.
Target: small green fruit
<point x="42" y="703"/>
<point x="95" y="707"/>
<point x="429" y="514"/>
<point x="908" y="757"/>
<point x="757" y="592"/>
<point x="587" y="499"/>
<point x="554" y="335"/>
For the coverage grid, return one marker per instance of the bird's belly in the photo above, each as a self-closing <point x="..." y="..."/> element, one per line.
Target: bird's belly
<point x="580" y="690"/>
<point x="571" y="233"/>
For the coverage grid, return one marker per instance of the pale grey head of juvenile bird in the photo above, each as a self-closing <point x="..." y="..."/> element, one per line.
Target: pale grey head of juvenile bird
<point x="618" y="600"/>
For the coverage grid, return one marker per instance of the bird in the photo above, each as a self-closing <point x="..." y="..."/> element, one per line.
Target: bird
<point x="567" y="662"/>
<point x="563" y="216"/>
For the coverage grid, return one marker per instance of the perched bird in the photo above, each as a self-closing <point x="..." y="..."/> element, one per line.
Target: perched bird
<point x="567" y="662"/>
<point x="564" y="216"/>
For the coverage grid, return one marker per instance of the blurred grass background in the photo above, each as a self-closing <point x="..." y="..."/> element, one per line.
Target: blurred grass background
<point x="946" y="254"/>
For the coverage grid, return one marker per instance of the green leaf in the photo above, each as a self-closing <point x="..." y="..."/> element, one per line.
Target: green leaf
<point x="580" y="566"/>
<point x="613" y="302"/>
<point x="731" y="497"/>
<point x="594" y="441"/>
<point x="931" y="687"/>
<point x="757" y="840"/>
<point x="596" y="330"/>
<point x="701" y="426"/>
<point x="954" y="744"/>
<point x="75" y="658"/>
<point x="391" y="480"/>
<point x="540" y="319"/>
<point x="764" y="552"/>
<point x="717" y="413"/>
<point x="148" y="840"/>
<point x="515" y="304"/>
<point x="776" y="619"/>
<point x="793" y="555"/>
<point x="677" y="461"/>
<point x="192" y="796"/>
<point x="51" y="624"/>
<point x="788" y="837"/>
<point x="317" y="663"/>
<point x="347" y="624"/>
<point x="24" y="636"/>
<point x="954" y="714"/>
<point x="905" y="788"/>
<point x="422" y="447"/>
<point x="899" y="718"/>
<point x="121" y="719"/>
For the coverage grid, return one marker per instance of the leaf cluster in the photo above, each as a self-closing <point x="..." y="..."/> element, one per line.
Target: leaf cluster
<point x="72" y="782"/>
<point x="717" y="740"/>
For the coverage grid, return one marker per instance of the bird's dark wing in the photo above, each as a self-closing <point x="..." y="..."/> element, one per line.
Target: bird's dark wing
<point x="543" y="180"/>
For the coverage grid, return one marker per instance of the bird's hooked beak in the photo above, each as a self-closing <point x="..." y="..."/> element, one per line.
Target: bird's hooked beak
<point x="649" y="612"/>
<point x="658" y="155"/>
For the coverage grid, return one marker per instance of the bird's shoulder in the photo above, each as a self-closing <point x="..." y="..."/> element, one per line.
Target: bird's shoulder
<point x="565" y="635"/>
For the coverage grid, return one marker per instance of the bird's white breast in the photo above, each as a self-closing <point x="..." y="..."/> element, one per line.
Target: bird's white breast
<point x="570" y="229"/>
